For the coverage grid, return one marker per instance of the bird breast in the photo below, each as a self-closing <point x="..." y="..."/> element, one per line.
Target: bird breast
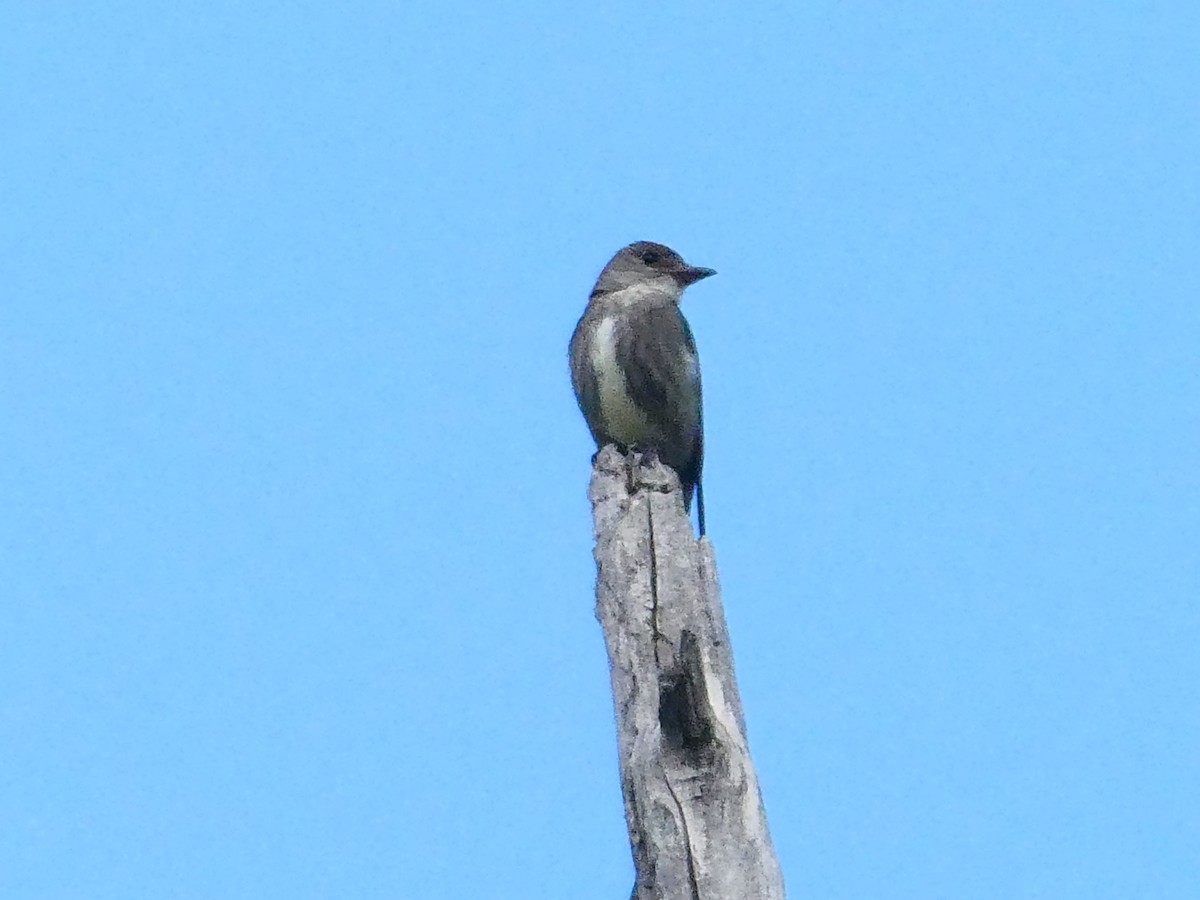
<point x="622" y="417"/>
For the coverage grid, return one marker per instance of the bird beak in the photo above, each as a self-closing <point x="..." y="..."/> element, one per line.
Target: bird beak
<point x="692" y="274"/>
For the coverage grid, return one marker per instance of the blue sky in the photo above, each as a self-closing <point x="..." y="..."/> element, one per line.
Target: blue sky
<point x="296" y="555"/>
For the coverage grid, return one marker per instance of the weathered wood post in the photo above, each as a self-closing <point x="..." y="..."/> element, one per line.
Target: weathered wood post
<point x="697" y="826"/>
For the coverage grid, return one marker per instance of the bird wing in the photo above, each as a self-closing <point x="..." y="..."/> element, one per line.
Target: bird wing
<point x="666" y="384"/>
<point x="583" y="378"/>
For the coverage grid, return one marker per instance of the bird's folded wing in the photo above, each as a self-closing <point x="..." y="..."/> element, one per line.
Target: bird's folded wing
<point x="662" y="372"/>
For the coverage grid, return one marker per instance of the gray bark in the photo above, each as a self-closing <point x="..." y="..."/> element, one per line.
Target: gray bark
<point x="696" y="821"/>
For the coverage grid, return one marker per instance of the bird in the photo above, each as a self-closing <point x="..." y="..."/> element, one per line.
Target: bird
<point x="634" y="365"/>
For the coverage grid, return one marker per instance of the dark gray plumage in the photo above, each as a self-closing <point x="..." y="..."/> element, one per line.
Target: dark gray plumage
<point x="634" y="364"/>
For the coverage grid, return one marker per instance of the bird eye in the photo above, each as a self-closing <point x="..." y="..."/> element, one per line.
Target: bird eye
<point x="650" y="257"/>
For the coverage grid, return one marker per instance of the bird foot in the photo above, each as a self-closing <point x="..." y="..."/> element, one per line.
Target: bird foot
<point x="646" y="471"/>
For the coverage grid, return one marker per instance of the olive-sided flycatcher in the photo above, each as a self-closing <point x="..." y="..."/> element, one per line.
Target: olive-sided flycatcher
<point x="634" y="364"/>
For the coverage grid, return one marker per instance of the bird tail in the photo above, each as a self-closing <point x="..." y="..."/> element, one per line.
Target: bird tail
<point x="698" y="490"/>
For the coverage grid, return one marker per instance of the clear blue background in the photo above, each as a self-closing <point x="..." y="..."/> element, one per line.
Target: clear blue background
<point x="295" y="553"/>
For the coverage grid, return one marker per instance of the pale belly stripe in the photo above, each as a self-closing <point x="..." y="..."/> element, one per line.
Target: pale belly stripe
<point x="624" y="420"/>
